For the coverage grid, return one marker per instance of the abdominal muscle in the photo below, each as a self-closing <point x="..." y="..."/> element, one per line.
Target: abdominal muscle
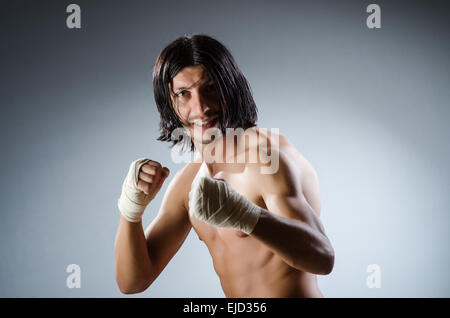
<point x="247" y="268"/>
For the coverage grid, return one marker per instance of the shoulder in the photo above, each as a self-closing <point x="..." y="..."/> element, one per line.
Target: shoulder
<point x="188" y="172"/>
<point x="288" y="172"/>
<point x="179" y="186"/>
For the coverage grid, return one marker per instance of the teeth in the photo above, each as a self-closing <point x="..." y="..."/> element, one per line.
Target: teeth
<point x="203" y="123"/>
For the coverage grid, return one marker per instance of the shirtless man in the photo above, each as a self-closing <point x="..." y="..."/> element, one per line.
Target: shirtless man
<point x="262" y="229"/>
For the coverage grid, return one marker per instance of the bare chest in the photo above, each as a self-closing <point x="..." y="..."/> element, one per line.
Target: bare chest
<point x="225" y="240"/>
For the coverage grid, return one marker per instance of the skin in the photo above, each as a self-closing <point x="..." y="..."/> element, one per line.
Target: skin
<point x="288" y="246"/>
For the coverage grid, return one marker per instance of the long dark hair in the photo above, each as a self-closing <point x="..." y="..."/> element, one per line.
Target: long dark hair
<point x="238" y="109"/>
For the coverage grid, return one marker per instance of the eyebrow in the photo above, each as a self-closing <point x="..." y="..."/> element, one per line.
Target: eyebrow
<point x="207" y="81"/>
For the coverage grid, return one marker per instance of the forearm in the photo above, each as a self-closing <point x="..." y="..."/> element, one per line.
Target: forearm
<point x="300" y="245"/>
<point x="132" y="260"/>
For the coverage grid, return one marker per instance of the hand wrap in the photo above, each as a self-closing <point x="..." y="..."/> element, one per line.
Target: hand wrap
<point x="132" y="201"/>
<point x="216" y="203"/>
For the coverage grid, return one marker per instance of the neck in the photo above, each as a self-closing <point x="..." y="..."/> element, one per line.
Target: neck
<point x="213" y="152"/>
<point x="225" y="148"/>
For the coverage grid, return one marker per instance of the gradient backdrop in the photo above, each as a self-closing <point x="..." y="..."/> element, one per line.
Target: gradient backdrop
<point x="369" y="108"/>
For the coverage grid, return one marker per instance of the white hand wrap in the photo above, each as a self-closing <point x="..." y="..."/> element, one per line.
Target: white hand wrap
<point x="216" y="203"/>
<point x="132" y="201"/>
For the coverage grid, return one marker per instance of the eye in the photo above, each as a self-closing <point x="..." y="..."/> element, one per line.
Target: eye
<point x="180" y="94"/>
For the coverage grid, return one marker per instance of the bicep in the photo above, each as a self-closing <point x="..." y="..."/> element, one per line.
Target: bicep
<point x="294" y="207"/>
<point x="294" y="191"/>
<point x="310" y="188"/>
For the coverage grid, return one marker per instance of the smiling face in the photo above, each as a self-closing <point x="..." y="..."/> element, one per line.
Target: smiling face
<point x="196" y="102"/>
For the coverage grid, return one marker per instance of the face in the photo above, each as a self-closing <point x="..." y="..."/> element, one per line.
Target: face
<point x="196" y="101"/>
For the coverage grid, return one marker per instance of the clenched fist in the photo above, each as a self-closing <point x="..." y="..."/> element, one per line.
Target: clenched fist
<point x="143" y="181"/>
<point x="214" y="202"/>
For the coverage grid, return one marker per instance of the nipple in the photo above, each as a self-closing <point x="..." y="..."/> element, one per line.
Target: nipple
<point x="241" y="234"/>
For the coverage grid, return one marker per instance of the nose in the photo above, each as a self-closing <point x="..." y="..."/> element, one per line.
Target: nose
<point x="199" y="106"/>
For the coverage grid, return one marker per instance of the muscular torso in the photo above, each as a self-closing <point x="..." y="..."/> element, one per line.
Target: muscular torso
<point x="245" y="266"/>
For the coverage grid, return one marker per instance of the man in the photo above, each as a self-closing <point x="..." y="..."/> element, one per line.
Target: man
<point x="262" y="229"/>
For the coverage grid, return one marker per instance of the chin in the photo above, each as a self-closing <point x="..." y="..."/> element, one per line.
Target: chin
<point x="208" y="135"/>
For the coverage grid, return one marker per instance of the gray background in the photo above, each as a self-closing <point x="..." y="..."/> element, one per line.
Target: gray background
<point x="368" y="108"/>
